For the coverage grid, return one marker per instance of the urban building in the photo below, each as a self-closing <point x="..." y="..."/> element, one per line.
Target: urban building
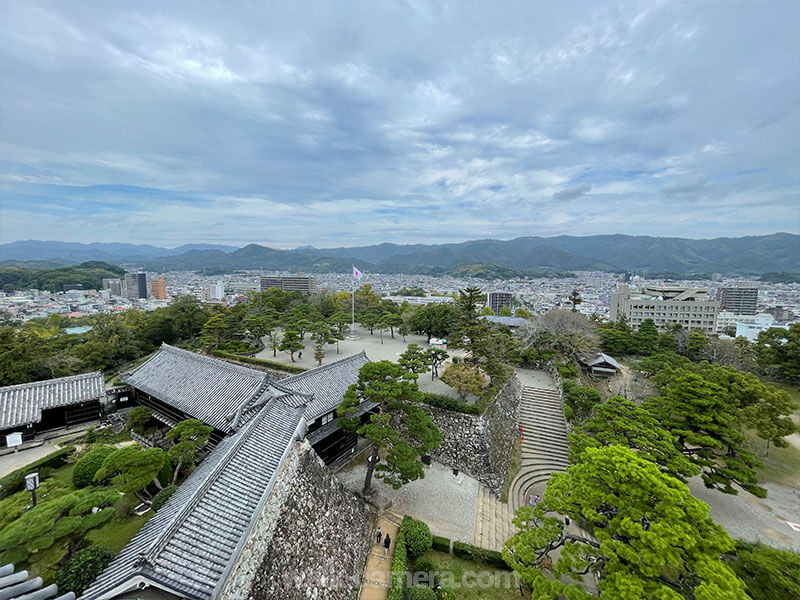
<point x="158" y="288"/>
<point x="213" y="293"/>
<point x="114" y="286"/>
<point x="738" y="300"/>
<point x="666" y="306"/>
<point x="136" y="285"/>
<point x="497" y="300"/>
<point x="420" y="300"/>
<point x="298" y="283"/>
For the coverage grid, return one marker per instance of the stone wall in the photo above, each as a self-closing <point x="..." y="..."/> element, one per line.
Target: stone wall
<point x="481" y="446"/>
<point x="310" y="540"/>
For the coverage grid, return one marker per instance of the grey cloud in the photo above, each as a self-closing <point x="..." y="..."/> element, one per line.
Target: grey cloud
<point x="687" y="185"/>
<point x="295" y="108"/>
<point x="572" y="192"/>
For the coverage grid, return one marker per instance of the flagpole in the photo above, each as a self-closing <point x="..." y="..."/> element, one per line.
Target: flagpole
<point x="353" y="335"/>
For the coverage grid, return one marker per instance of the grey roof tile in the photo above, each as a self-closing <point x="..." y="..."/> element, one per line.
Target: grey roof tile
<point x="189" y="542"/>
<point x="326" y="384"/>
<point x="206" y="388"/>
<point x="22" y="404"/>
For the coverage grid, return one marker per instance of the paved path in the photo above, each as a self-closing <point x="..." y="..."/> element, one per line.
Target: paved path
<point x="12" y="462"/>
<point x="378" y="571"/>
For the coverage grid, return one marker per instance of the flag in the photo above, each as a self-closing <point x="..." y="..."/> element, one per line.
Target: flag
<point x="356" y="273"/>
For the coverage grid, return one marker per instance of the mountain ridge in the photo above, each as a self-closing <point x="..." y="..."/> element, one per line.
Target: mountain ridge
<point x="748" y="255"/>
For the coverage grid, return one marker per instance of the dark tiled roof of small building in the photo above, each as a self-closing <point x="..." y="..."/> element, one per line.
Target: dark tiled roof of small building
<point x="326" y="384"/>
<point x="22" y="404"/>
<point x="206" y="388"/>
<point x="188" y="545"/>
<point x="599" y="358"/>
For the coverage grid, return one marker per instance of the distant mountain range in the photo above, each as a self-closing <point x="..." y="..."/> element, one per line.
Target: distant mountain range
<point x="751" y="255"/>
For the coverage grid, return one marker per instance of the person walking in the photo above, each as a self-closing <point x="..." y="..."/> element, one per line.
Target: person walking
<point x="387" y="542"/>
<point x="380" y="535"/>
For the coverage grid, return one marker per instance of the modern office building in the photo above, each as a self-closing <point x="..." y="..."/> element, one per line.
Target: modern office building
<point x="738" y="300"/>
<point x="158" y="288"/>
<point x="497" y="300"/>
<point x="136" y="285"/>
<point x="114" y="286"/>
<point x="667" y="306"/>
<point x="304" y="284"/>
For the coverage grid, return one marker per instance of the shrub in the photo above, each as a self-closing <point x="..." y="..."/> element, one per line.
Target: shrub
<point x="474" y="553"/>
<point x="442" y="544"/>
<point x="162" y="496"/>
<point x="165" y="474"/>
<point x="91" y="436"/>
<point x="139" y="419"/>
<point x="398" y="587"/>
<point x="88" y="465"/>
<point x="258" y="361"/>
<point x="15" y="481"/>
<point x="82" y="569"/>
<point x="425" y="563"/>
<point x="417" y="536"/>
<point x="421" y="592"/>
<point x="448" y="403"/>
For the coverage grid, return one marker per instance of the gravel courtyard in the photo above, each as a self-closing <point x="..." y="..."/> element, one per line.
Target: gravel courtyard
<point x="445" y="502"/>
<point x="390" y="349"/>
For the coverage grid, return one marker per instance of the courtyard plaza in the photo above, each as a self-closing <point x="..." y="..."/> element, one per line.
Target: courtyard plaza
<point x="390" y="349"/>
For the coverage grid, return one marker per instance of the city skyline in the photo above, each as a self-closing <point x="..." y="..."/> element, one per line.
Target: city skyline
<point x="407" y="123"/>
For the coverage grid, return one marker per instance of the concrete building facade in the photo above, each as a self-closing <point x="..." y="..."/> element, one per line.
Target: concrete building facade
<point x="304" y="284"/>
<point x="114" y="286"/>
<point x="497" y="300"/>
<point x="667" y="306"/>
<point x="738" y="300"/>
<point x="158" y="288"/>
<point x="136" y="285"/>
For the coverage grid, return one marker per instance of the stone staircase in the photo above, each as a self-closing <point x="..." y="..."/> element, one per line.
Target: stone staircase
<point x="544" y="447"/>
<point x="493" y="524"/>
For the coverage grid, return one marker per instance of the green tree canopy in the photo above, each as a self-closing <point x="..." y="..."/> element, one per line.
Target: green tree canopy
<point x="395" y="392"/>
<point x="61" y="521"/>
<point x="465" y="379"/>
<point x="188" y="436"/>
<point x="701" y="419"/>
<point x="132" y="470"/>
<point x="649" y="537"/>
<point x="621" y="422"/>
<point x="414" y="360"/>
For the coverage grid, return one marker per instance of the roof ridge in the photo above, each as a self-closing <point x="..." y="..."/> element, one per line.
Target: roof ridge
<point x="53" y="380"/>
<point x="151" y="554"/>
<point x="211" y="359"/>
<point x="327" y="366"/>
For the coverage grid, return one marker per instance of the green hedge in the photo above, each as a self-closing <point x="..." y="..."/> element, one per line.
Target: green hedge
<point x="448" y="403"/>
<point x="398" y="588"/>
<point x="15" y="481"/>
<point x="474" y="553"/>
<point x="258" y="361"/>
<point x="417" y="536"/>
<point x="442" y="544"/>
<point x="162" y="496"/>
<point x="89" y="464"/>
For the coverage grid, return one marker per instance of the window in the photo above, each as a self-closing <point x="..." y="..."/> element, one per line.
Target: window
<point x="327" y="418"/>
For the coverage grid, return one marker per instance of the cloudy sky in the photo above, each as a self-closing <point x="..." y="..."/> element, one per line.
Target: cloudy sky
<point x="345" y="123"/>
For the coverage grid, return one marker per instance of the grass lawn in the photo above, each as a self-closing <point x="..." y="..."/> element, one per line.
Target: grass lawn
<point x="114" y="534"/>
<point x="513" y="468"/>
<point x="782" y="465"/>
<point x="481" y="581"/>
